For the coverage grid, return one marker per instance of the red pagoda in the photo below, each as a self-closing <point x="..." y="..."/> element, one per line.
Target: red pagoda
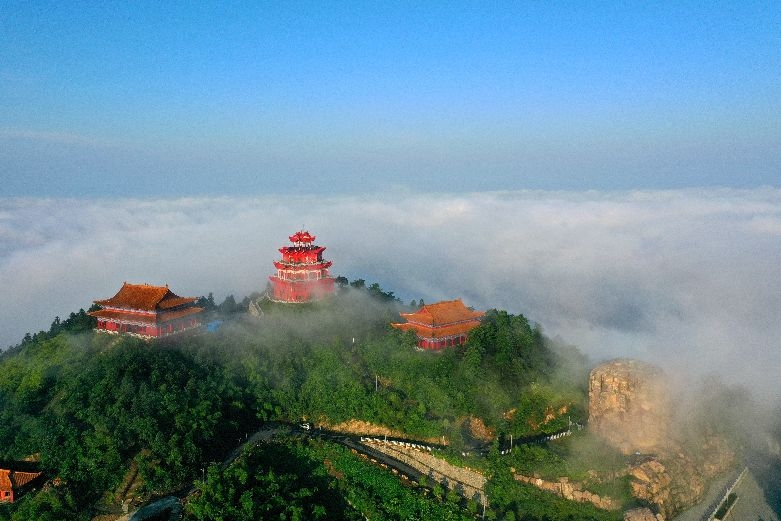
<point x="302" y="274"/>
<point x="147" y="311"/>
<point x="440" y="325"/>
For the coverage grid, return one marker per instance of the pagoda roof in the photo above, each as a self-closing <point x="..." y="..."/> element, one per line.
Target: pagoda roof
<point x="145" y="297"/>
<point x="302" y="236"/>
<point x="13" y="479"/>
<point x="301" y="251"/>
<point x="443" y="313"/>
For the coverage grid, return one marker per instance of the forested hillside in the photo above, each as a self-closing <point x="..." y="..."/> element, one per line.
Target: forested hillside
<point x="90" y="405"/>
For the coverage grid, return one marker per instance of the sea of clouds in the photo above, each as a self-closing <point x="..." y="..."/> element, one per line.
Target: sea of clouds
<point x="685" y="278"/>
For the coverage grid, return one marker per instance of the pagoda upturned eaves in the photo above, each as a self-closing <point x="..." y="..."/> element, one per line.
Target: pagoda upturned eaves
<point x="302" y="237"/>
<point x="147" y="311"/>
<point x="442" y="324"/>
<point x="302" y="272"/>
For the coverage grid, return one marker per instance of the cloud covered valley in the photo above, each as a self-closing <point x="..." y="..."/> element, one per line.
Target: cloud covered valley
<point x="686" y="278"/>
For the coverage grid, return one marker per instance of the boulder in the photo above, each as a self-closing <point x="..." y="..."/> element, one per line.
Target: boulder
<point x="629" y="405"/>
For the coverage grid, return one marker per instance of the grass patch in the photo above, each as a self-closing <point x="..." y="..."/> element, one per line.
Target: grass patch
<point x="726" y="505"/>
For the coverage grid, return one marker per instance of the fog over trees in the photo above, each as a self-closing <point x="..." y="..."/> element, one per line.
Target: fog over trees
<point x="91" y="406"/>
<point x="682" y="278"/>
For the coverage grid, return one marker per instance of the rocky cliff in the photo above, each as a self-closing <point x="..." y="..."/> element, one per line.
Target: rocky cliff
<point x="642" y="514"/>
<point x="570" y="490"/>
<point x="630" y="407"/>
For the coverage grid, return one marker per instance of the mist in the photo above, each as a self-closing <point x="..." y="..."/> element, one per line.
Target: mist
<point x="686" y="279"/>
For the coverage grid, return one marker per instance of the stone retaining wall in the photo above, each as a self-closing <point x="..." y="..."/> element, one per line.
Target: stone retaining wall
<point x="569" y="490"/>
<point x="467" y="482"/>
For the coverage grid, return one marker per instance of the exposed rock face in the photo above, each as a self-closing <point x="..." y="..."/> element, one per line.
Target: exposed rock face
<point x="629" y="405"/>
<point x="364" y="428"/>
<point x="651" y="483"/>
<point x="642" y="514"/>
<point x="677" y="480"/>
<point x="570" y="490"/>
<point x="478" y="429"/>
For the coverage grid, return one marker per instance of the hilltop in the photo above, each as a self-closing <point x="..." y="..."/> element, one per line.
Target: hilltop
<point x="92" y="406"/>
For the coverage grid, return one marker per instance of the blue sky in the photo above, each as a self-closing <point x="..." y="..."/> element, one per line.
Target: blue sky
<point x="152" y="99"/>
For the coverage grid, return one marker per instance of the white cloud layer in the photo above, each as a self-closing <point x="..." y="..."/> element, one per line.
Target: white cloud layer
<point x="683" y="278"/>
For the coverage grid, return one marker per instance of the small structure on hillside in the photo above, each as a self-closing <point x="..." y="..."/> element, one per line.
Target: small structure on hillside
<point x="302" y="273"/>
<point x="14" y="483"/>
<point x="147" y="311"/>
<point x="440" y="325"/>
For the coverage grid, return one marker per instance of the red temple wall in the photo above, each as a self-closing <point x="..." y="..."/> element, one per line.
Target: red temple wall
<point x="153" y="331"/>
<point x="441" y="343"/>
<point x="288" y="291"/>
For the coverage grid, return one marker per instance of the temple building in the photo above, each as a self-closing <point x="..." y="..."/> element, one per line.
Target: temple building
<point x="147" y="311"/>
<point x="302" y="274"/>
<point x="14" y="483"/>
<point x="440" y="325"/>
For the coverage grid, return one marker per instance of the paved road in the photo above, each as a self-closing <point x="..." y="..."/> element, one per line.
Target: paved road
<point x="750" y="504"/>
<point x="269" y="430"/>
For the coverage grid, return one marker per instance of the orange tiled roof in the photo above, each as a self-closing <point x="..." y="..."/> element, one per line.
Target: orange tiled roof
<point x="441" y="319"/>
<point x="145" y="297"/>
<point x="443" y="313"/>
<point x="11" y="479"/>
